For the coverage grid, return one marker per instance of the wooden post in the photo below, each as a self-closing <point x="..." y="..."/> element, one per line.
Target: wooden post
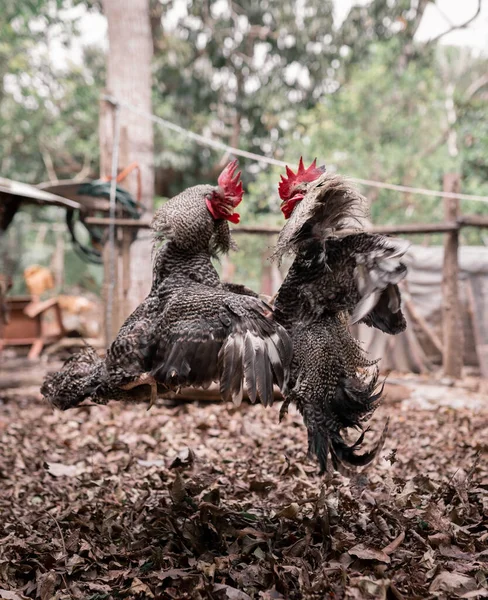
<point x="453" y="342"/>
<point x="110" y="280"/>
<point x="57" y="260"/>
<point x="125" y="234"/>
<point x="129" y="79"/>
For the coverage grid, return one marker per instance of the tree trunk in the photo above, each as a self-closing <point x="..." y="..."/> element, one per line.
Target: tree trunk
<point x="129" y="79"/>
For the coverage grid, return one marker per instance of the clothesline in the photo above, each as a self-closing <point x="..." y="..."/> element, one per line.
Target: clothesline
<point x="217" y="145"/>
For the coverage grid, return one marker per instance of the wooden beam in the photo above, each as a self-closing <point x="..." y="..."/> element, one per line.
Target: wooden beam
<point x="105" y="222"/>
<point x="414" y="228"/>
<point x="422" y="323"/>
<point x="473" y="221"/>
<point x="451" y="310"/>
<point x="409" y="228"/>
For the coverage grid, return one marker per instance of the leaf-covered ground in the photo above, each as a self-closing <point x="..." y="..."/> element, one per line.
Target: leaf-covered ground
<point x="209" y="501"/>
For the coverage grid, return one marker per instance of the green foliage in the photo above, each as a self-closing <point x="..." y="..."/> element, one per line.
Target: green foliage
<point x="387" y="124"/>
<point x="283" y="79"/>
<point x="48" y="114"/>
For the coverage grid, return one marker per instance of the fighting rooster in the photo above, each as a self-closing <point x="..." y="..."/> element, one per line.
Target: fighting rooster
<point x="338" y="277"/>
<point x="191" y="329"/>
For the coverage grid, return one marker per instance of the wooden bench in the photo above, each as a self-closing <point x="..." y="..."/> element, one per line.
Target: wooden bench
<point x="32" y="323"/>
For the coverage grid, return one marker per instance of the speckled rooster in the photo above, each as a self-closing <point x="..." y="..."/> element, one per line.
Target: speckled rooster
<point x="191" y="329"/>
<point x="337" y="278"/>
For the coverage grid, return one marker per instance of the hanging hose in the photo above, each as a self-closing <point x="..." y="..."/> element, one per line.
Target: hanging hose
<point x="99" y="188"/>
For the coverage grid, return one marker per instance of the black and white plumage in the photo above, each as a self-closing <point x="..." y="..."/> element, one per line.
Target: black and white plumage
<point x="208" y="334"/>
<point x="191" y="329"/>
<point x="84" y="375"/>
<point x="338" y="276"/>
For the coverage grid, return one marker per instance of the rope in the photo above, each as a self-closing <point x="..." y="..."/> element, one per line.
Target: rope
<point x="111" y="229"/>
<point x="206" y="141"/>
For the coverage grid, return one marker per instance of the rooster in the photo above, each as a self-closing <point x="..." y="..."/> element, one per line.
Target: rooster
<point x="191" y="329"/>
<point x="338" y="277"/>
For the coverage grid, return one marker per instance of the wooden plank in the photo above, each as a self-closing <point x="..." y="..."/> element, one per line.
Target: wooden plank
<point x="451" y="308"/>
<point x="422" y="323"/>
<point x="473" y="221"/>
<point x="122" y="222"/>
<point x="478" y="304"/>
<point x="410" y="228"/>
<point x="415" y="228"/>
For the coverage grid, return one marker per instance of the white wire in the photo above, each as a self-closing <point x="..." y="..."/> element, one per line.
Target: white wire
<point x="206" y="141"/>
<point x="111" y="229"/>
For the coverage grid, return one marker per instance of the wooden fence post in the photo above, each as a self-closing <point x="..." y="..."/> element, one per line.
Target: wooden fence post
<point x="111" y="284"/>
<point x="453" y="342"/>
<point x="125" y="235"/>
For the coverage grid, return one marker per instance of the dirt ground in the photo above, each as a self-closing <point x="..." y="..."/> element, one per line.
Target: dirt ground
<point x="209" y="501"/>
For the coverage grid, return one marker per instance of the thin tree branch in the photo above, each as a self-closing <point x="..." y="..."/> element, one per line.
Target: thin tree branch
<point x="476" y="86"/>
<point x="456" y="27"/>
<point x="85" y="170"/>
<point x="48" y="163"/>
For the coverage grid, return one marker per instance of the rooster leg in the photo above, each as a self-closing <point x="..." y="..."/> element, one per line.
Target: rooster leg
<point x="284" y="408"/>
<point x="154" y="394"/>
<point x="144" y="379"/>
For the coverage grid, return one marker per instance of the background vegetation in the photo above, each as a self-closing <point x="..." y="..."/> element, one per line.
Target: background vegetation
<point x="282" y="79"/>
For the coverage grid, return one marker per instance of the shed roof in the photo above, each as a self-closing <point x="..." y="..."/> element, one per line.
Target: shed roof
<point x="31" y="194"/>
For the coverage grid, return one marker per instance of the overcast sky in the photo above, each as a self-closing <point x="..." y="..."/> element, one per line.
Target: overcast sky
<point x="437" y="18"/>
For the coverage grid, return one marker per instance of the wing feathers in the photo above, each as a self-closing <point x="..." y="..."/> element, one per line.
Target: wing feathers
<point x="232" y="338"/>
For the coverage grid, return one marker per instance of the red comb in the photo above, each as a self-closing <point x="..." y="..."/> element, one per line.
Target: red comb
<point x="223" y="202"/>
<point x="287" y="184"/>
<point x="231" y="185"/>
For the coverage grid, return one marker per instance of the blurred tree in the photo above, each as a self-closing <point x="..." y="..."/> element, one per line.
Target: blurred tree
<point x="242" y="72"/>
<point x="48" y="112"/>
<point x="129" y="79"/>
<point x="278" y="78"/>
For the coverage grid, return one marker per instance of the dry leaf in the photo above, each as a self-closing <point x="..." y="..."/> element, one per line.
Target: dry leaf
<point x="185" y="458"/>
<point x="139" y="587"/>
<point x="61" y="470"/>
<point x="139" y="530"/>
<point x="7" y="595"/>
<point x="178" y="489"/>
<point x="392" y="546"/>
<point x="367" y="553"/>
<point x="229" y="593"/>
<point x="453" y="582"/>
<point x="46" y="585"/>
<point x="289" y="512"/>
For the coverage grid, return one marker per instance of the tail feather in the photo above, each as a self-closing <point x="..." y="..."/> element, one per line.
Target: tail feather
<point x="353" y="402"/>
<point x="344" y="456"/>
